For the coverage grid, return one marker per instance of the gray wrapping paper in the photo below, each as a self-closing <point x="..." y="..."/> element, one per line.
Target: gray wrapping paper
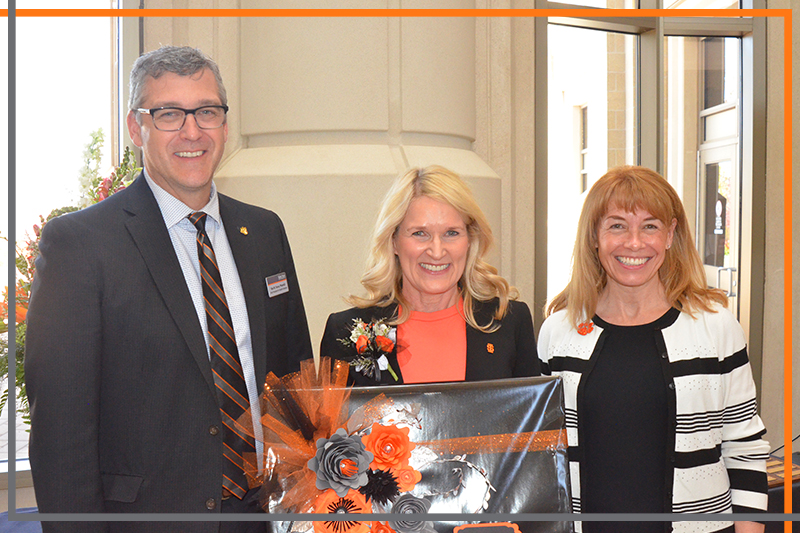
<point x="482" y="447"/>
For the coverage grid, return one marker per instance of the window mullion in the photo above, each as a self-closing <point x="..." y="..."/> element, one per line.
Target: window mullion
<point x="540" y="163"/>
<point x="651" y="98"/>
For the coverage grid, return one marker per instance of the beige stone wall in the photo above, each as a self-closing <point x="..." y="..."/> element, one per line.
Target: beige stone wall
<point x="327" y="111"/>
<point x="617" y="101"/>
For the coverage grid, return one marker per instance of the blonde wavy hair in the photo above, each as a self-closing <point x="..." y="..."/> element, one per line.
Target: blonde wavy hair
<point x="383" y="278"/>
<point x="631" y="188"/>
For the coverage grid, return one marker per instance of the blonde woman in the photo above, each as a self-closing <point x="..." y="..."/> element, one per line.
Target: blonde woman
<point x="660" y="399"/>
<point x="435" y="310"/>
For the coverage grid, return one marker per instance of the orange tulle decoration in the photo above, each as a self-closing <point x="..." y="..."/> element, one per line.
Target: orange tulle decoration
<point x="296" y="410"/>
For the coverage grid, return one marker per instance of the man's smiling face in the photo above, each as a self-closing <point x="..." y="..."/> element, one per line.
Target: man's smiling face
<point x="181" y="162"/>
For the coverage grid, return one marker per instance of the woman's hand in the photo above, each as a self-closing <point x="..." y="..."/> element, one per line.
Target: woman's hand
<point x="748" y="527"/>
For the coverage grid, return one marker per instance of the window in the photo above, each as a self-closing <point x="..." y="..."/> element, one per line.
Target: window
<point x="63" y="95"/>
<point x="587" y="69"/>
<point x="685" y="90"/>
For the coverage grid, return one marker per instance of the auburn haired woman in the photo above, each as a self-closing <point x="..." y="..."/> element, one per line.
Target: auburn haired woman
<point x="660" y="399"/>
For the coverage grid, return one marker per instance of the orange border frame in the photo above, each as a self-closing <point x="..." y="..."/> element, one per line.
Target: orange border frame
<point x="461" y="13"/>
<point x="604" y="13"/>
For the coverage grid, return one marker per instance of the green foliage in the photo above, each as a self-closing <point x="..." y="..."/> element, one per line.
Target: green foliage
<point x="22" y="395"/>
<point x="58" y="212"/>
<point x="90" y="173"/>
<point x="95" y="187"/>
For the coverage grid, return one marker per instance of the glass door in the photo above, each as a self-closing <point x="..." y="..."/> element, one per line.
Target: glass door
<point x="718" y="220"/>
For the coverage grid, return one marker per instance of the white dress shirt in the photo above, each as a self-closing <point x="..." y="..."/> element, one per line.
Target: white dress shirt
<point x="183" y="235"/>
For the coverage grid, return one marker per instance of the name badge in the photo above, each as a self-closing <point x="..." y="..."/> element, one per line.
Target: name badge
<point x="277" y="284"/>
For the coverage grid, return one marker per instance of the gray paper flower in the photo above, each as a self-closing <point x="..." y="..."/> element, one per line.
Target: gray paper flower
<point x="408" y="504"/>
<point x="341" y="463"/>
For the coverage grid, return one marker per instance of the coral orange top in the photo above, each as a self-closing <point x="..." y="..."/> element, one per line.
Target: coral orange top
<point x="432" y="347"/>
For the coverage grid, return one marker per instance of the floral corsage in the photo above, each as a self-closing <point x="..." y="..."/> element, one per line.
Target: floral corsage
<point x="372" y="341"/>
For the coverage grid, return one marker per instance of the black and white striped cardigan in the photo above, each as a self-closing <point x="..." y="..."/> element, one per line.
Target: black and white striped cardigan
<point x="719" y="459"/>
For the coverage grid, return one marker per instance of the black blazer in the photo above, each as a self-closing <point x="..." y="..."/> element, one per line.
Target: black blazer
<point x="124" y="414"/>
<point x="513" y="344"/>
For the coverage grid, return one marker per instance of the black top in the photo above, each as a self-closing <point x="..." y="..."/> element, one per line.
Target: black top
<point x="625" y="423"/>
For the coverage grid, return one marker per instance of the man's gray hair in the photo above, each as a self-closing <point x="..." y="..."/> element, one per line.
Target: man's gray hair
<point x="180" y="60"/>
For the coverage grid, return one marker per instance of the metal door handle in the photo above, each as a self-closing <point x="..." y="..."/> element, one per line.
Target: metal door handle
<point x="732" y="280"/>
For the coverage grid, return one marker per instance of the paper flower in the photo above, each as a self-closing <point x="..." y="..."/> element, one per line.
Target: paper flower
<point x="382" y="487"/>
<point x="331" y="503"/>
<point x="341" y="463"/>
<point x="390" y="446"/>
<point x="407" y="478"/>
<point x="380" y="527"/>
<point x="408" y="504"/>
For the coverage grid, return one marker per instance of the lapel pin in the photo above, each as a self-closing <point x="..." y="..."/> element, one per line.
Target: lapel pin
<point x="243" y="230"/>
<point x="490" y="347"/>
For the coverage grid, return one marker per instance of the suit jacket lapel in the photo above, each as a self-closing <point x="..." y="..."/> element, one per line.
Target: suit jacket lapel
<point x="146" y="227"/>
<point x="476" y="340"/>
<point x="245" y="253"/>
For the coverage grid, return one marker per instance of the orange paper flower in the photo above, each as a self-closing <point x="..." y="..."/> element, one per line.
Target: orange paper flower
<point x="407" y="478"/>
<point x="380" y="527"/>
<point x="390" y="445"/>
<point x="352" y="502"/>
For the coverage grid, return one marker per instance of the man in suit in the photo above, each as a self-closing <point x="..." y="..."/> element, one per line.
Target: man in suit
<point x="127" y="414"/>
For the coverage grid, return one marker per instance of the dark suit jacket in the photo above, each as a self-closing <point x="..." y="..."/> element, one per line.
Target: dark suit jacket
<point x="513" y="344"/>
<point x="123" y="406"/>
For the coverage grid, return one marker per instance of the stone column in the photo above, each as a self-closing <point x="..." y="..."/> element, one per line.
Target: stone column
<point x="326" y="112"/>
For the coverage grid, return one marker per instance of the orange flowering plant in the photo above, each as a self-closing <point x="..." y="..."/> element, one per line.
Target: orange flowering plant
<point x="95" y="188"/>
<point x="24" y="265"/>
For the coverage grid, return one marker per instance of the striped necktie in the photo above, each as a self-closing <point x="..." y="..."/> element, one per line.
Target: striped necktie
<point x="225" y="364"/>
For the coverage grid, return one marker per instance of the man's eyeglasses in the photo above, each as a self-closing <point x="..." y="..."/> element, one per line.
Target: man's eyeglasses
<point x="208" y="117"/>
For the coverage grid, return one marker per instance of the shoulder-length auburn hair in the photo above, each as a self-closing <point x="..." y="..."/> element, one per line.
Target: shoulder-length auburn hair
<point x="383" y="278"/>
<point x="631" y="188"/>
